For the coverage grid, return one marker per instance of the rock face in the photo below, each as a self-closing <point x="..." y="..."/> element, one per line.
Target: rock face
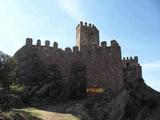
<point x="14" y="115"/>
<point x="80" y="111"/>
<point x="137" y="101"/>
<point x="9" y="100"/>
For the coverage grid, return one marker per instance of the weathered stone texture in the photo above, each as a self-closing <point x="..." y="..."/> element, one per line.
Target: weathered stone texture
<point x="131" y="69"/>
<point x="103" y="64"/>
<point x="87" y="35"/>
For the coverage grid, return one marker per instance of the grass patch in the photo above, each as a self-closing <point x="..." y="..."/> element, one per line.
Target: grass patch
<point x="42" y="114"/>
<point x="74" y="118"/>
<point x="17" y="88"/>
<point x="18" y="115"/>
<point x="33" y="111"/>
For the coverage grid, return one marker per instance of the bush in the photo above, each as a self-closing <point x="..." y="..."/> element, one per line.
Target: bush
<point x="17" y="88"/>
<point x="7" y="73"/>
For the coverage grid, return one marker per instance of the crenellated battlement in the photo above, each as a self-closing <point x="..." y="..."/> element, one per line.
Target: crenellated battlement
<point x="68" y="50"/>
<point x="29" y="42"/>
<point x="38" y="42"/>
<point x="85" y="24"/>
<point x="114" y="43"/>
<point x="131" y="69"/>
<point x="55" y="45"/>
<point x="47" y="43"/>
<point x="130" y="61"/>
<point x="86" y="35"/>
<point x="131" y="58"/>
<point x="103" y="44"/>
<point x="75" y="49"/>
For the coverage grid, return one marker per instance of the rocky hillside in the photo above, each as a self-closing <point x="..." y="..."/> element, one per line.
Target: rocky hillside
<point x="136" y="101"/>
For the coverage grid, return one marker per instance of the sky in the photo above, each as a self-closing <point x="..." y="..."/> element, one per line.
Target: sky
<point x="135" y="24"/>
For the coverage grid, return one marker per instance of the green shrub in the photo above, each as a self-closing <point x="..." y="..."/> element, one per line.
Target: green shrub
<point x="17" y="88"/>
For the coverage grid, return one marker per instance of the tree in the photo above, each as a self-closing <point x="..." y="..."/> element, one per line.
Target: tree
<point x="32" y="71"/>
<point x="7" y="65"/>
<point x="78" y="81"/>
<point x="54" y="76"/>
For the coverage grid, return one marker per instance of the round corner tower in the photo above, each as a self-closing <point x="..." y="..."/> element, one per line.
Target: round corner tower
<point x="86" y="35"/>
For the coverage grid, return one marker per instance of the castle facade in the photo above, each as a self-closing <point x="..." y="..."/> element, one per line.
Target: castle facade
<point x="90" y="61"/>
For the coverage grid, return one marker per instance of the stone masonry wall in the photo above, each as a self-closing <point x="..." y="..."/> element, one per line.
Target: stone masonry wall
<point x="87" y="35"/>
<point x="103" y="63"/>
<point x="131" y="69"/>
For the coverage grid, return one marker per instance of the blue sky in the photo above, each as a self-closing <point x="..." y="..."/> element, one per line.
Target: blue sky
<point x="135" y="24"/>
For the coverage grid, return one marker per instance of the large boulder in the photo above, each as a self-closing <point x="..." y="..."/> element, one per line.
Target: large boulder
<point x="79" y="111"/>
<point x="9" y="100"/>
<point x="15" y="115"/>
<point x="136" y="101"/>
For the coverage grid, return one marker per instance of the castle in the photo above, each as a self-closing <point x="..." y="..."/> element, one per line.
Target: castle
<point x="89" y="61"/>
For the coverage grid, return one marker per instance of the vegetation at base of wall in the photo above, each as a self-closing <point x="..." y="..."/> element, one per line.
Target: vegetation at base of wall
<point x="75" y="118"/>
<point x="19" y="114"/>
<point x="41" y="114"/>
<point x="7" y="70"/>
<point x="30" y="110"/>
<point x="17" y="88"/>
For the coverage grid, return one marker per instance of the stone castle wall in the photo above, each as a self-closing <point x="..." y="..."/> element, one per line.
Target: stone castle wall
<point x="131" y="69"/>
<point x="87" y="35"/>
<point x="103" y="65"/>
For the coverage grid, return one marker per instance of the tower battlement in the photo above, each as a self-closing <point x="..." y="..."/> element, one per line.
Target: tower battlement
<point x="131" y="69"/>
<point x="29" y="42"/>
<point x="130" y="61"/>
<point x="87" y="35"/>
<point x="85" y="24"/>
<point x="130" y="58"/>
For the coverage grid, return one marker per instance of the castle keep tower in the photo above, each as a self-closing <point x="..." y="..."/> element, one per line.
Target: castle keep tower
<point x="87" y="35"/>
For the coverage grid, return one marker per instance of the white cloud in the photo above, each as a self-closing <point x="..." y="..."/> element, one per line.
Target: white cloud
<point x="73" y="8"/>
<point x="151" y="74"/>
<point x="152" y="65"/>
<point x="17" y="24"/>
<point x="9" y="26"/>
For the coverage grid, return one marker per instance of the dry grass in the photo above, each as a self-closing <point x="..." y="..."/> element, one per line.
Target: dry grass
<point x="47" y="115"/>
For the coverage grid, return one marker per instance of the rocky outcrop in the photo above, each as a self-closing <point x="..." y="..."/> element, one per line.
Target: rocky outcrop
<point x="9" y="100"/>
<point x="13" y="115"/>
<point x="79" y="111"/>
<point x="136" y="101"/>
